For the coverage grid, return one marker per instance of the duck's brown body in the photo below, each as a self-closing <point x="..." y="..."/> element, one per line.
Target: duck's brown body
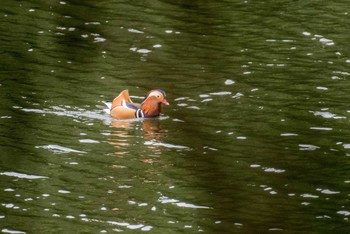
<point x="123" y="108"/>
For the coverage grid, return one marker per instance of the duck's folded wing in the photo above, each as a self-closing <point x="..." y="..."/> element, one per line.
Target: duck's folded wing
<point x="123" y="112"/>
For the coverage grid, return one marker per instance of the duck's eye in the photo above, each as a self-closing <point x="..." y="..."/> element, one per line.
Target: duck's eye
<point x="158" y="96"/>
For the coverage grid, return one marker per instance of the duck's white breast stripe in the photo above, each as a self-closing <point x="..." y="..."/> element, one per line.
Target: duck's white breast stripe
<point x="140" y="114"/>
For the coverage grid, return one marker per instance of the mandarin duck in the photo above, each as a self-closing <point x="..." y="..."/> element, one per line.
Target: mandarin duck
<point x="123" y="108"/>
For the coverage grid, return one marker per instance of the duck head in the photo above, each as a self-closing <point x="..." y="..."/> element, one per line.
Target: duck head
<point x="152" y="105"/>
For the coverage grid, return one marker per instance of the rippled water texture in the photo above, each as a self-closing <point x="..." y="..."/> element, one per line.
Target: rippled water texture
<point x="256" y="138"/>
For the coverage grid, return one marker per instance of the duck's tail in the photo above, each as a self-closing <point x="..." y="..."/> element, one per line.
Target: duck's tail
<point x="106" y="107"/>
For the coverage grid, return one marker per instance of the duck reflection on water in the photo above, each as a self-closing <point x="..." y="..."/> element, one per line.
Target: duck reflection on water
<point x="131" y="136"/>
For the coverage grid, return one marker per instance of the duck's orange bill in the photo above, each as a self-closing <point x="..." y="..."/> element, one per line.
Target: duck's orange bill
<point x="165" y="102"/>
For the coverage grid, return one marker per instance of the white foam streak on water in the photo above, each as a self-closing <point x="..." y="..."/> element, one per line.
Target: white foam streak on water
<point x="59" y="149"/>
<point x="194" y="107"/>
<point x="321" y="39"/>
<point x="188" y="205"/>
<point x="207" y="100"/>
<point x="343" y="212"/>
<point x="23" y="176"/>
<point x="164" y="200"/>
<point x="321" y="88"/>
<point x="99" y="39"/>
<point x="307" y="195"/>
<point x="238" y="95"/>
<point x="321" y="128"/>
<point x="288" y="134"/>
<point x="5" y="230"/>
<point x="88" y="141"/>
<point x="221" y="93"/>
<point x="204" y="95"/>
<point x="181" y="98"/>
<point x="121" y="224"/>
<point x="131" y="226"/>
<point x="229" y="82"/>
<point x="59" y="111"/>
<point x="328" y="191"/>
<point x="308" y="147"/>
<point x="326" y="41"/>
<point x="132" y="30"/>
<point x="166" y="145"/>
<point x="64" y="191"/>
<point x="267" y="169"/>
<point x="327" y="115"/>
<point x="144" y="51"/>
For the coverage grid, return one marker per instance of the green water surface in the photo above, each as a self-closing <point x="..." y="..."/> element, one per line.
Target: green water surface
<point x="256" y="138"/>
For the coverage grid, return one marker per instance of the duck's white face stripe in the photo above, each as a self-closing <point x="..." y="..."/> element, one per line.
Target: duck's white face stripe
<point x="155" y="93"/>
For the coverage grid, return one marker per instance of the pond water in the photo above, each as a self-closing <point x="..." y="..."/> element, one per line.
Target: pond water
<point x="256" y="138"/>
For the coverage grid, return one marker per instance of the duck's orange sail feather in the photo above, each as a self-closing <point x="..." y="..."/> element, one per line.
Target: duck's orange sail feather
<point x="123" y="96"/>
